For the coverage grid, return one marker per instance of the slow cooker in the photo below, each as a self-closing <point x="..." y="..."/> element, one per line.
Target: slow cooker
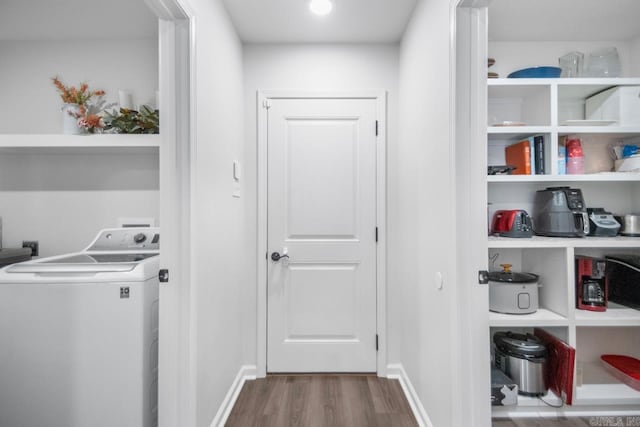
<point x="511" y="292"/>
<point x="522" y="357"/>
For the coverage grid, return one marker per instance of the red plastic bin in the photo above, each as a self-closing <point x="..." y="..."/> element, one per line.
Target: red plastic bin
<point x="624" y="368"/>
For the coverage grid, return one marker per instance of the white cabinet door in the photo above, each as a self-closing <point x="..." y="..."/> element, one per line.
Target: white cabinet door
<point x="322" y="212"/>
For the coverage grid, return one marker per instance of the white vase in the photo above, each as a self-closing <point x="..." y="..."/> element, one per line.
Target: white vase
<point x="70" y="115"/>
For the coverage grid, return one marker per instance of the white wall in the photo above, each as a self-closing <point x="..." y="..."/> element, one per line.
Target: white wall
<point x="423" y="240"/>
<point x="63" y="199"/>
<point x="220" y="277"/>
<point x="312" y="67"/>
<point x="509" y="55"/>
<point x="29" y="101"/>
<point x="634" y="49"/>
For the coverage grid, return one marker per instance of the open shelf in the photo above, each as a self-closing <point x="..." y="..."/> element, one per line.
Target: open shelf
<point x="52" y="141"/>
<point x="495" y="242"/>
<point x="527" y="406"/>
<point x="518" y="132"/>
<point x="600" y="388"/>
<point x="594" y="177"/>
<point x="591" y="85"/>
<point x="616" y="315"/>
<point x="542" y="317"/>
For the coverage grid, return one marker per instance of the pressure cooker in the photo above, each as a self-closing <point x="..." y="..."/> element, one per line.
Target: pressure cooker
<point x="523" y="358"/>
<point x="511" y="292"/>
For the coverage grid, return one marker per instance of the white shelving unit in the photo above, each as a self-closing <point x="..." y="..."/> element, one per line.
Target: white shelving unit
<point x="540" y="107"/>
<point x="542" y="317"/>
<point x="79" y="141"/>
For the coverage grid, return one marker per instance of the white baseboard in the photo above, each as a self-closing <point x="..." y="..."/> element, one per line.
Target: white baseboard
<point x="247" y="372"/>
<point x="396" y="371"/>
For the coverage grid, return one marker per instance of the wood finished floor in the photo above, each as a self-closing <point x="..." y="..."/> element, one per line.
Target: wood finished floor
<point x="321" y="400"/>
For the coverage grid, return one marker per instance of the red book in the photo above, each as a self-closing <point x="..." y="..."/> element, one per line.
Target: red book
<point x="519" y="155"/>
<point x="561" y="359"/>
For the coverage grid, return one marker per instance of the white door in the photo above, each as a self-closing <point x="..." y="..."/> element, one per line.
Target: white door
<point x="321" y="212"/>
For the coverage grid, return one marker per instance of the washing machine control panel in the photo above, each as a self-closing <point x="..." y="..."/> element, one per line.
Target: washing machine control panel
<point x="126" y="239"/>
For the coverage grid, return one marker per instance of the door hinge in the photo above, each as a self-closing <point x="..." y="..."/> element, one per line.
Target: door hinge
<point x="376" y="128"/>
<point x="266" y="104"/>
<point x="376" y="342"/>
<point x="376" y="234"/>
<point x="163" y="275"/>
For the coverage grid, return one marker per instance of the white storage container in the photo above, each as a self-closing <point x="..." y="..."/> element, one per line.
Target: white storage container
<point x="621" y="104"/>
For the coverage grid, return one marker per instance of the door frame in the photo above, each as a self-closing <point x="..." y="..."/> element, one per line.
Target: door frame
<point x="176" y="350"/>
<point x="469" y="110"/>
<point x="263" y="99"/>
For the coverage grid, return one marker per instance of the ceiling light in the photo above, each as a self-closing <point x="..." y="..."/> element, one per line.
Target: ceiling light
<point x="321" y="7"/>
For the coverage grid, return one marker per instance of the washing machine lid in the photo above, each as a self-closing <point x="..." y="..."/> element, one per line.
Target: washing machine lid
<point x="87" y="258"/>
<point x="83" y="263"/>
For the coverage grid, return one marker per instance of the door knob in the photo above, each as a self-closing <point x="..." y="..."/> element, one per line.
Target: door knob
<point x="276" y="256"/>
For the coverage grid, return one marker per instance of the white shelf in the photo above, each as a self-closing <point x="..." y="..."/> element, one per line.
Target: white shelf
<point x="527" y="406"/>
<point x="518" y="131"/>
<point x="594" y="177"/>
<point x="542" y="317"/>
<point x="597" y="83"/>
<point x="600" y="388"/>
<point x="563" y="242"/>
<point x="52" y="141"/>
<point x="619" y="131"/>
<point x="521" y="82"/>
<point x="616" y="315"/>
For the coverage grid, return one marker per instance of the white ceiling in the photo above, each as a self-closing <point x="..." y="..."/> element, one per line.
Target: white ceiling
<point x="290" y="21"/>
<point x="564" y="20"/>
<point x="352" y="21"/>
<point x="77" y="19"/>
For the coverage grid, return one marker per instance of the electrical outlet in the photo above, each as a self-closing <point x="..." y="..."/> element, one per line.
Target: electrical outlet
<point x="33" y="244"/>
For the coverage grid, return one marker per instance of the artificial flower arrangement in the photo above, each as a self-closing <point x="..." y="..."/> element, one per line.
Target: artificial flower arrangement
<point x="92" y="113"/>
<point x="90" y="104"/>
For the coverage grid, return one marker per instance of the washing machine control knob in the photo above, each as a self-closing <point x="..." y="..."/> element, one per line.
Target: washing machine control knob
<point x="139" y="238"/>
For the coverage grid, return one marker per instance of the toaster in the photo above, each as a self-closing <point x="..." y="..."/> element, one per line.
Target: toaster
<point x="560" y="212"/>
<point x="512" y="223"/>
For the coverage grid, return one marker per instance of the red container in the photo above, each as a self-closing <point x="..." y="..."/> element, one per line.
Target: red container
<point x="624" y="368"/>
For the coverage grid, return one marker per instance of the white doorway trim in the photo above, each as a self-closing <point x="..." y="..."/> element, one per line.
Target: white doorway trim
<point x="176" y="358"/>
<point x="263" y="98"/>
<point x="469" y="65"/>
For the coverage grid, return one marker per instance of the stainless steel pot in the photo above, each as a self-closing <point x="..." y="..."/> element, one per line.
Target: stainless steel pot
<point x="630" y="225"/>
<point x="523" y="358"/>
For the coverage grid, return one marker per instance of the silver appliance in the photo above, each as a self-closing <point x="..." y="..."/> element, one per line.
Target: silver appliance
<point x="523" y="358"/>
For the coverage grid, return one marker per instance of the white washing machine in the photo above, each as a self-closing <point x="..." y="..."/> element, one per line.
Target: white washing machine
<point x="79" y="335"/>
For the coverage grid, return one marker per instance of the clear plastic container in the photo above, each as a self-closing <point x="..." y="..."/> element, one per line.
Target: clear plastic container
<point x="604" y="63"/>
<point x="571" y="64"/>
<point x="575" y="157"/>
<point x="575" y="165"/>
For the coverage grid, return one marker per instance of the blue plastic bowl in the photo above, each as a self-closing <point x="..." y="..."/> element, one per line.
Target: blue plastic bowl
<point x="536" y="72"/>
